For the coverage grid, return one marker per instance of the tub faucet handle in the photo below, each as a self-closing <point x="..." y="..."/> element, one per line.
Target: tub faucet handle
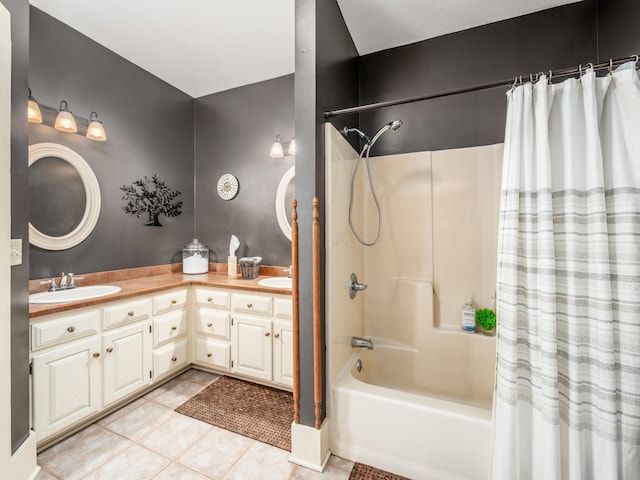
<point x="354" y="286"/>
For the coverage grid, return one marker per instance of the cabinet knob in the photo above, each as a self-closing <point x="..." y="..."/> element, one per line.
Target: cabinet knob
<point x="249" y="305"/>
<point x="71" y="329"/>
<point x="277" y="335"/>
<point x="174" y="328"/>
<point x="209" y="355"/>
<point x="96" y="355"/>
<point x="209" y="324"/>
<point x="209" y="299"/>
<point x="131" y="314"/>
<point x="267" y="334"/>
<point x="110" y="349"/>
<point x="173" y="302"/>
<point x="173" y="359"/>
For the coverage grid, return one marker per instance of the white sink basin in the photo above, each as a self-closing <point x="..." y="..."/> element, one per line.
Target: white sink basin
<point x="275" y="282"/>
<point x="74" y="294"/>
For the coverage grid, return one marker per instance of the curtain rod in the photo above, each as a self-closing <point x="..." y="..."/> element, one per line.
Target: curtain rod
<point x="484" y="86"/>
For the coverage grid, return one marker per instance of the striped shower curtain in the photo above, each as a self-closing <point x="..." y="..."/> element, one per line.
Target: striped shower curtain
<point x="567" y="403"/>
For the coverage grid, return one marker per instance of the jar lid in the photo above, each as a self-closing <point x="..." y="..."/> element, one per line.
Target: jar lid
<point x="195" y="245"/>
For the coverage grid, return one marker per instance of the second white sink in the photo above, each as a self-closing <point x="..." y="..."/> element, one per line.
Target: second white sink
<point x="74" y="294"/>
<point x="275" y="282"/>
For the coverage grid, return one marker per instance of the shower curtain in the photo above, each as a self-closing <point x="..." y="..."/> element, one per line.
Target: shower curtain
<point x="567" y="403"/>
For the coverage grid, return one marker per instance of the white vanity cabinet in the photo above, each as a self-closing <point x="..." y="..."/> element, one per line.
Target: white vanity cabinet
<point x="170" y="327"/>
<point x="87" y="360"/>
<point x="212" y="318"/>
<point x="66" y="367"/>
<point x="252" y="346"/>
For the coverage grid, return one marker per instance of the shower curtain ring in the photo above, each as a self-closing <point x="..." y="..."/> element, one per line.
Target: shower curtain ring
<point x="531" y="77"/>
<point x="635" y="57"/>
<point x="515" y="82"/>
<point x="611" y="66"/>
<point x="580" y="69"/>
<point x="550" y="76"/>
<point x="589" y="66"/>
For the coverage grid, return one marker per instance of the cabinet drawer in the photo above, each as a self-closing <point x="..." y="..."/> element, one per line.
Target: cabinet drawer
<point x="63" y="329"/>
<point x="169" y="326"/>
<point x="213" y="322"/>
<point x="169" y="301"/>
<point x="213" y="353"/>
<point x="170" y="358"/>
<point x="129" y="311"/>
<point x="283" y="308"/>
<point x="207" y="297"/>
<point x="252" y="304"/>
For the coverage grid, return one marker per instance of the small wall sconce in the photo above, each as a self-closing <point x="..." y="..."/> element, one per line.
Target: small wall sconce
<point x="278" y="148"/>
<point x="65" y="121"/>
<point x="34" y="115"/>
<point x="62" y="119"/>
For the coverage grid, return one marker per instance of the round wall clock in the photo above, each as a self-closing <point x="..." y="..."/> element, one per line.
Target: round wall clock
<point x="227" y="186"/>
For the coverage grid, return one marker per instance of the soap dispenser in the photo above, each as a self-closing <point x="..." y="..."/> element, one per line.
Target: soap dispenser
<point x="195" y="258"/>
<point x="469" y="317"/>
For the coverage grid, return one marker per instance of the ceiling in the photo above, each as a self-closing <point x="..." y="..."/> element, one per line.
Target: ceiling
<point x="207" y="46"/>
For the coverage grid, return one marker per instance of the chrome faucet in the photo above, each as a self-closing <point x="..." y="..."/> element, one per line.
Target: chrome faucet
<point x="359" y="342"/>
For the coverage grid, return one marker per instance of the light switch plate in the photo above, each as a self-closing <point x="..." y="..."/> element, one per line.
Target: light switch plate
<point x="16" y="251"/>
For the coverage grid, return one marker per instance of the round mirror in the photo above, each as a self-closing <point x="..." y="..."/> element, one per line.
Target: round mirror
<point x="64" y="197"/>
<point x="284" y="195"/>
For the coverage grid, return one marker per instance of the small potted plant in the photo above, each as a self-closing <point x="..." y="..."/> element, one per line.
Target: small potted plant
<point x="142" y="200"/>
<point x="486" y="320"/>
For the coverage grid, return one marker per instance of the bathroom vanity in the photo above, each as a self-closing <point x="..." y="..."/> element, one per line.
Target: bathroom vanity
<point x="89" y="358"/>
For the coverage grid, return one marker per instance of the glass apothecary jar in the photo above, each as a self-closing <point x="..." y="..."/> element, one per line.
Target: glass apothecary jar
<point x="195" y="258"/>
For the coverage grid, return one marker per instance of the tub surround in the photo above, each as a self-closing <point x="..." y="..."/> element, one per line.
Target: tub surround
<point x="139" y="281"/>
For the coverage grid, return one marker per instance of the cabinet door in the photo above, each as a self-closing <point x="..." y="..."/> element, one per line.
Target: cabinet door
<point x="127" y="361"/>
<point x="283" y="353"/>
<point x="66" y="386"/>
<point x="251" y="338"/>
<point x="212" y="353"/>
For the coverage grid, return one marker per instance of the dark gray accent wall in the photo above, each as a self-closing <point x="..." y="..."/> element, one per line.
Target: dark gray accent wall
<point x="149" y="126"/>
<point x="19" y="11"/>
<point x="551" y="39"/>
<point x="326" y="75"/>
<point x="234" y="133"/>
<point x="618" y="34"/>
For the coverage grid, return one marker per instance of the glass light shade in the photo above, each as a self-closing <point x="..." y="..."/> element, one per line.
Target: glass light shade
<point x="96" y="130"/>
<point x="33" y="112"/>
<point x="65" y="121"/>
<point x="292" y="147"/>
<point x="276" y="148"/>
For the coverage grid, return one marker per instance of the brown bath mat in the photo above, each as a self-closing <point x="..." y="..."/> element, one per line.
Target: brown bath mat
<point x="255" y="411"/>
<point x="361" y="471"/>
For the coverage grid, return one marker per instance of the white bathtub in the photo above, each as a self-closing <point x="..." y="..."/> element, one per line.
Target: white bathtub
<point x="410" y="429"/>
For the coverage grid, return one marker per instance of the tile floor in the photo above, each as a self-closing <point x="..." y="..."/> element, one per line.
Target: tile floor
<point x="148" y="440"/>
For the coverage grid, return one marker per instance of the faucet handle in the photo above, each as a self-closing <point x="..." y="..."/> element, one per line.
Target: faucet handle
<point x="51" y="283"/>
<point x="63" y="280"/>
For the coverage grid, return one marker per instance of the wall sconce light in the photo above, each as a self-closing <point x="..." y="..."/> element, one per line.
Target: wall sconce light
<point x="65" y="121"/>
<point x="34" y="115"/>
<point x="62" y="119"/>
<point x="96" y="130"/>
<point x="278" y="148"/>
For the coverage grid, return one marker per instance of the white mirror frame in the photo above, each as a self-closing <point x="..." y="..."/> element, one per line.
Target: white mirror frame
<point x="92" y="190"/>
<point x="281" y="207"/>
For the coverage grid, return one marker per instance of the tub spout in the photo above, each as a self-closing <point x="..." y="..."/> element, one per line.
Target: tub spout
<point x="358" y="342"/>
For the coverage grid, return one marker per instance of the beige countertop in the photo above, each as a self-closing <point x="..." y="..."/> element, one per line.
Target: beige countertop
<point x="131" y="287"/>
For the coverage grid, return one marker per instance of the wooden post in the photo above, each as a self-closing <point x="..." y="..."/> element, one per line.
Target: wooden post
<point x="317" y="353"/>
<point x="296" y="311"/>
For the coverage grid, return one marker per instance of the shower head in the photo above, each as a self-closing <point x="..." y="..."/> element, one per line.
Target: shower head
<point x="395" y="125"/>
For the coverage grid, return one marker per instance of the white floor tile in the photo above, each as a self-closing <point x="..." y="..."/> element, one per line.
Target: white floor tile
<point x="174" y="436"/>
<point x="139" y="422"/>
<point x="76" y="456"/>
<point x="135" y="463"/>
<point x="264" y="462"/>
<point x="216" y="452"/>
<point x="176" y="471"/>
<point x="178" y="394"/>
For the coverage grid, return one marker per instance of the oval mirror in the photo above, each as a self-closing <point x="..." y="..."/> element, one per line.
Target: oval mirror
<point x="284" y="195"/>
<point x="64" y="197"/>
